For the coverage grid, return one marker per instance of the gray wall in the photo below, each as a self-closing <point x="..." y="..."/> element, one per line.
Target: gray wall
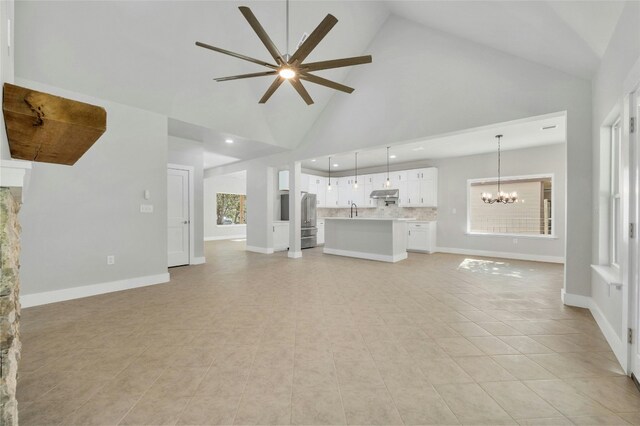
<point x="223" y="184"/>
<point x="453" y="174"/>
<point x="74" y="217"/>
<point x="186" y="152"/>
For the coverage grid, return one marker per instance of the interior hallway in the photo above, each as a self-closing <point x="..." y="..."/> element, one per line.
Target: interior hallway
<point x="257" y="339"/>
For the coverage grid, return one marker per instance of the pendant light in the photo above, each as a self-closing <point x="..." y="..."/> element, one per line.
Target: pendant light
<point x="501" y="197"/>
<point x="329" y="186"/>
<point x="388" y="182"/>
<point x="355" y="183"/>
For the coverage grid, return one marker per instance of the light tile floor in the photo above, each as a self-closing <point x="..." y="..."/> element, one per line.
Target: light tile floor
<point x="256" y="339"/>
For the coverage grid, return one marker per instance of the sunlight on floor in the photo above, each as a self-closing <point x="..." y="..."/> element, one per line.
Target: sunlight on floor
<point x="489" y="267"/>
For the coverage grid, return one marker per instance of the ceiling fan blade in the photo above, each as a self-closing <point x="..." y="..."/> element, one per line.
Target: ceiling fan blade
<point x="316" y="37"/>
<point x="236" y="55"/>
<point x="262" y="34"/>
<point x="336" y="63"/>
<point x="274" y="86"/>
<point x="255" y="74"/>
<point x="327" y="83"/>
<point x="301" y="90"/>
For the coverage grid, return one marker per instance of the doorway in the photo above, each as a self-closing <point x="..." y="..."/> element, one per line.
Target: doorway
<point x="179" y="215"/>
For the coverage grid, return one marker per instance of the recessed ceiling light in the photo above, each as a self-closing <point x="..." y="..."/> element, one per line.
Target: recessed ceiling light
<point x="549" y="127"/>
<point x="420" y="148"/>
<point x="313" y="160"/>
<point x="392" y="156"/>
<point x="335" y="165"/>
<point x="228" y="140"/>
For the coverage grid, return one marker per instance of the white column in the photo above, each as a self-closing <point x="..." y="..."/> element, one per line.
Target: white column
<point x="260" y="193"/>
<point x="295" y="198"/>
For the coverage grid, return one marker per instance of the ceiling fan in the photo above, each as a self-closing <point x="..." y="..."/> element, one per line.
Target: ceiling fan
<point x="292" y="67"/>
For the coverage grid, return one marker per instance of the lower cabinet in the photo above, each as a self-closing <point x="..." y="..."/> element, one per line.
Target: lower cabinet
<point x="280" y="236"/>
<point x="320" y="234"/>
<point x="422" y="237"/>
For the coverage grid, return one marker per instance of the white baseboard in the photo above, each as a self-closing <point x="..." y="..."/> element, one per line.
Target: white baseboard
<point x="577" y="300"/>
<point x="262" y="250"/>
<point x="198" y="260"/>
<point x="503" y="255"/>
<point x="294" y="254"/>
<point x="618" y="347"/>
<point x="46" y="297"/>
<point x="225" y="237"/>
<point x="368" y="256"/>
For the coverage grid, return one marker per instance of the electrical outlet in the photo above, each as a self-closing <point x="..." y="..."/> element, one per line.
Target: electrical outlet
<point x="515" y="241"/>
<point x="111" y="260"/>
<point x="453" y="210"/>
<point x="146" y="208"/>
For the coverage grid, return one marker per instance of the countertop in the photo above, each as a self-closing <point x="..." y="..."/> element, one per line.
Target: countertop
<point x="399" y="219"/>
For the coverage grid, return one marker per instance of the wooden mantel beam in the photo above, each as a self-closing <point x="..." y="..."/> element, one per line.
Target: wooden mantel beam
<point x="47" y="128"/>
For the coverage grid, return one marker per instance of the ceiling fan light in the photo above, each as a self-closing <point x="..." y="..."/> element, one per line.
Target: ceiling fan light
<point x="287" y="73"/>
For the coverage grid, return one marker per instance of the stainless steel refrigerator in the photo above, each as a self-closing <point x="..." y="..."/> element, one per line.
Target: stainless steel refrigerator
<point x="308" y="218"/>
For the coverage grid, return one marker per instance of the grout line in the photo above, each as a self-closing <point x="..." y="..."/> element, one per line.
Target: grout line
<point x="192" y="396"/>
<point x="378" y="369"/>
<point x="244" y="388"/>
<point x="293" y="369"/>
<point x="335" y="370"/>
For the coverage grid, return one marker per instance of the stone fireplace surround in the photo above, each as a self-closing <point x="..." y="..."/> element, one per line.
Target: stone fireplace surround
<point x="12" y="178"/>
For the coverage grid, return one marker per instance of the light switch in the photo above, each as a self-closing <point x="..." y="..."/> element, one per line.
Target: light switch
<point x="453" y="210"/>
<point x="146" y="208"/>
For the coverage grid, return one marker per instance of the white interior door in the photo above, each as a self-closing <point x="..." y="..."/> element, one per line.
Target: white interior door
<point x="178" y="216"/>
<point x="634" y="243"/>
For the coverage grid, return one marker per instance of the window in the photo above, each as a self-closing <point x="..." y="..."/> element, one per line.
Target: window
<point x="231" y="209"/>
<point x="614" y="194"/>
<point x="531" y="214"/>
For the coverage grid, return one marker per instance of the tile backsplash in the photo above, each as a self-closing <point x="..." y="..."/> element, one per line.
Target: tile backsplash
<point x="420" y="213"/>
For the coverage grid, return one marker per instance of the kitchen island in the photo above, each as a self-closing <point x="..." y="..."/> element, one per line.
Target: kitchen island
<point x="373" y="238"/>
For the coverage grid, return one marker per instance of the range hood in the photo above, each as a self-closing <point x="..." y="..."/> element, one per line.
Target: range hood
<point x="385" y="194"/>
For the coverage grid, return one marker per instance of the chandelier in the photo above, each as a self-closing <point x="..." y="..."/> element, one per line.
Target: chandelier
<point x="501" y="197"/>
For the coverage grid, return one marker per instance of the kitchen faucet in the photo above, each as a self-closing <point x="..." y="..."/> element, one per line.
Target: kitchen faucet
<point x="351" y="214"/>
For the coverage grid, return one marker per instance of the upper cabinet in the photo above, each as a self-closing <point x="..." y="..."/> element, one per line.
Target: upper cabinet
<point x="422" y="188"/>
<point x="283" y="180"/>
<point x="417" y="188"/>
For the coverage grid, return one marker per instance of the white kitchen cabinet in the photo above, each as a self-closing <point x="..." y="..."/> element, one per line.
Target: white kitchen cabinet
<point x="368" y="201"/>
<point x="422" y="188"/>
<point x="345" y="191"/>
<point x="332" y="195"/>
<point x="280" y="236"/>
<point x="397" y="177"/>
<point x="305" y="181"/>
<point x="421" y="237"/>
<point x="401" y="186"/>
<point x="378" y="180"/>
<point x="283" y="180"/>
<point x="359" y="196"/>
<point x="318" y="186"/>
<point x="320" y="234"/>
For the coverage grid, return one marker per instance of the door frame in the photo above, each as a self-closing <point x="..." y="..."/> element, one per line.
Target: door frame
<point x="631" y="108"/>
<point x="190" y="171"/>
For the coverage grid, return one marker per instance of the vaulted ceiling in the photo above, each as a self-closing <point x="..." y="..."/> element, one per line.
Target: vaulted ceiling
<point x="143" y="53"/>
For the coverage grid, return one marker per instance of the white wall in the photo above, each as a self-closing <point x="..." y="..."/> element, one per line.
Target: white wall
<point x="230" y="184"/>
<point x="73" y="217"/>
<point x="6" y="65"/>
<point x="453" y="174"/>
<point x="187" y="152"/>
<point x="608" y="92"/>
